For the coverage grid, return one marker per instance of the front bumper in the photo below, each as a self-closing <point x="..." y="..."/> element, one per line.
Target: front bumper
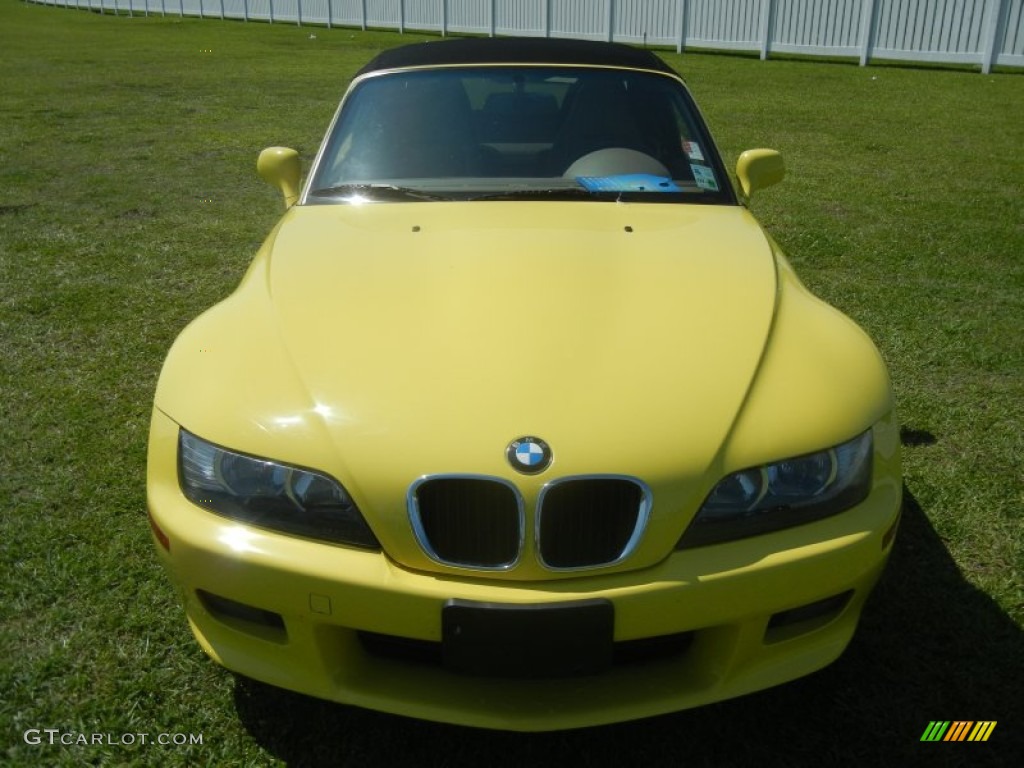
<point x="310" y="607"/>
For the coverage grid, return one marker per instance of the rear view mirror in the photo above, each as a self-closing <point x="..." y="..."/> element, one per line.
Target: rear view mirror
<point x="280" y="167"/>
<point x="759" y="168"/>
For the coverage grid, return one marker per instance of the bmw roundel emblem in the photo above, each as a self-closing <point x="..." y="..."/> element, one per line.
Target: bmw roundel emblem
<point x="529" y="455"/>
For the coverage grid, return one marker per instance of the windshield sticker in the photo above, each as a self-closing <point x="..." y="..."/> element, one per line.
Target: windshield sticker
<point x="704" y="177"/>
<point x="630" y="182"/>
<point x="692" y="150"/>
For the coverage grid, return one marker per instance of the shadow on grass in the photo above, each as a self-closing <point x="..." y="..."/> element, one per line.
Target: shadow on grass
<point x="930" y="647"/>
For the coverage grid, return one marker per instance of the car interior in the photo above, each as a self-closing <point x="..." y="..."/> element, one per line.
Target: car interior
<point x="515" y="124"/>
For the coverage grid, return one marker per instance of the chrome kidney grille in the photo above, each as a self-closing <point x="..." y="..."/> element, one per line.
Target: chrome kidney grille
<point x="479" y="522"/>
<point x="474" y="522"/>
<point x="589" y="522"/>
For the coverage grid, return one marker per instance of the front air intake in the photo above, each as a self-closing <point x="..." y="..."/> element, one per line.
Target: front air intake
<point x="470" y="522"/>
<point x="587" y="522"/>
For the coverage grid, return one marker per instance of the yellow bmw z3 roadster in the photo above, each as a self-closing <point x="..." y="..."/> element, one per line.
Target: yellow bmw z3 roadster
<point x="518" y="418"/>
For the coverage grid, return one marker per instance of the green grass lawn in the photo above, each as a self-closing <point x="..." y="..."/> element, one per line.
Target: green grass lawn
<point x="129" y="203"/>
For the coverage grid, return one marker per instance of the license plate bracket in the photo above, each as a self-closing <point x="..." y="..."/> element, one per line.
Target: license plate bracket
<point x="563" y="639"/>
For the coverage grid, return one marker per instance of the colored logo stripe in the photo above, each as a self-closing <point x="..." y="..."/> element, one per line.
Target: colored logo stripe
<point x="958" y="730"/>
<point x="982" y="731"/>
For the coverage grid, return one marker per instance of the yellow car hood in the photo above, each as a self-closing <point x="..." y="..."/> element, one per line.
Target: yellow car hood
<point x="445" y="331"/>
<point x="384" y="342"/>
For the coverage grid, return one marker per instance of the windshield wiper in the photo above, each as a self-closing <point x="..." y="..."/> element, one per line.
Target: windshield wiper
<point x="552" y="193"/>
<point x="376" y="191"/>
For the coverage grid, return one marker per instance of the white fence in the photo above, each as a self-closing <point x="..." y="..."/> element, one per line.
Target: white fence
<point x="982" y="32"/>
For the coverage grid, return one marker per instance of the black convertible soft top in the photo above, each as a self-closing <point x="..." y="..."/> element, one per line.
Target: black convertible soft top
<point x="515" y="50"/>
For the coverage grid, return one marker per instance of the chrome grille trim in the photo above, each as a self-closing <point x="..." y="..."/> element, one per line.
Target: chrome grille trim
<point x="419" y="530"/>
<point x="642" y="516"/>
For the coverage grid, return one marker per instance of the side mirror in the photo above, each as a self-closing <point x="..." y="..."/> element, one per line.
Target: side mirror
<point x="759" y="168"/>
<point x="280" y="167"/>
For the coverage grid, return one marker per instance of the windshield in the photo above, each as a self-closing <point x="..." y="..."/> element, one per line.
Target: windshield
<point x="518" y="132"/>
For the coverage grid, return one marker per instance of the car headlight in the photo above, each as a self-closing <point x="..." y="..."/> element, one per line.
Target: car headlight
<point x="784" y="494"/>
<point x="268" y="494"/>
